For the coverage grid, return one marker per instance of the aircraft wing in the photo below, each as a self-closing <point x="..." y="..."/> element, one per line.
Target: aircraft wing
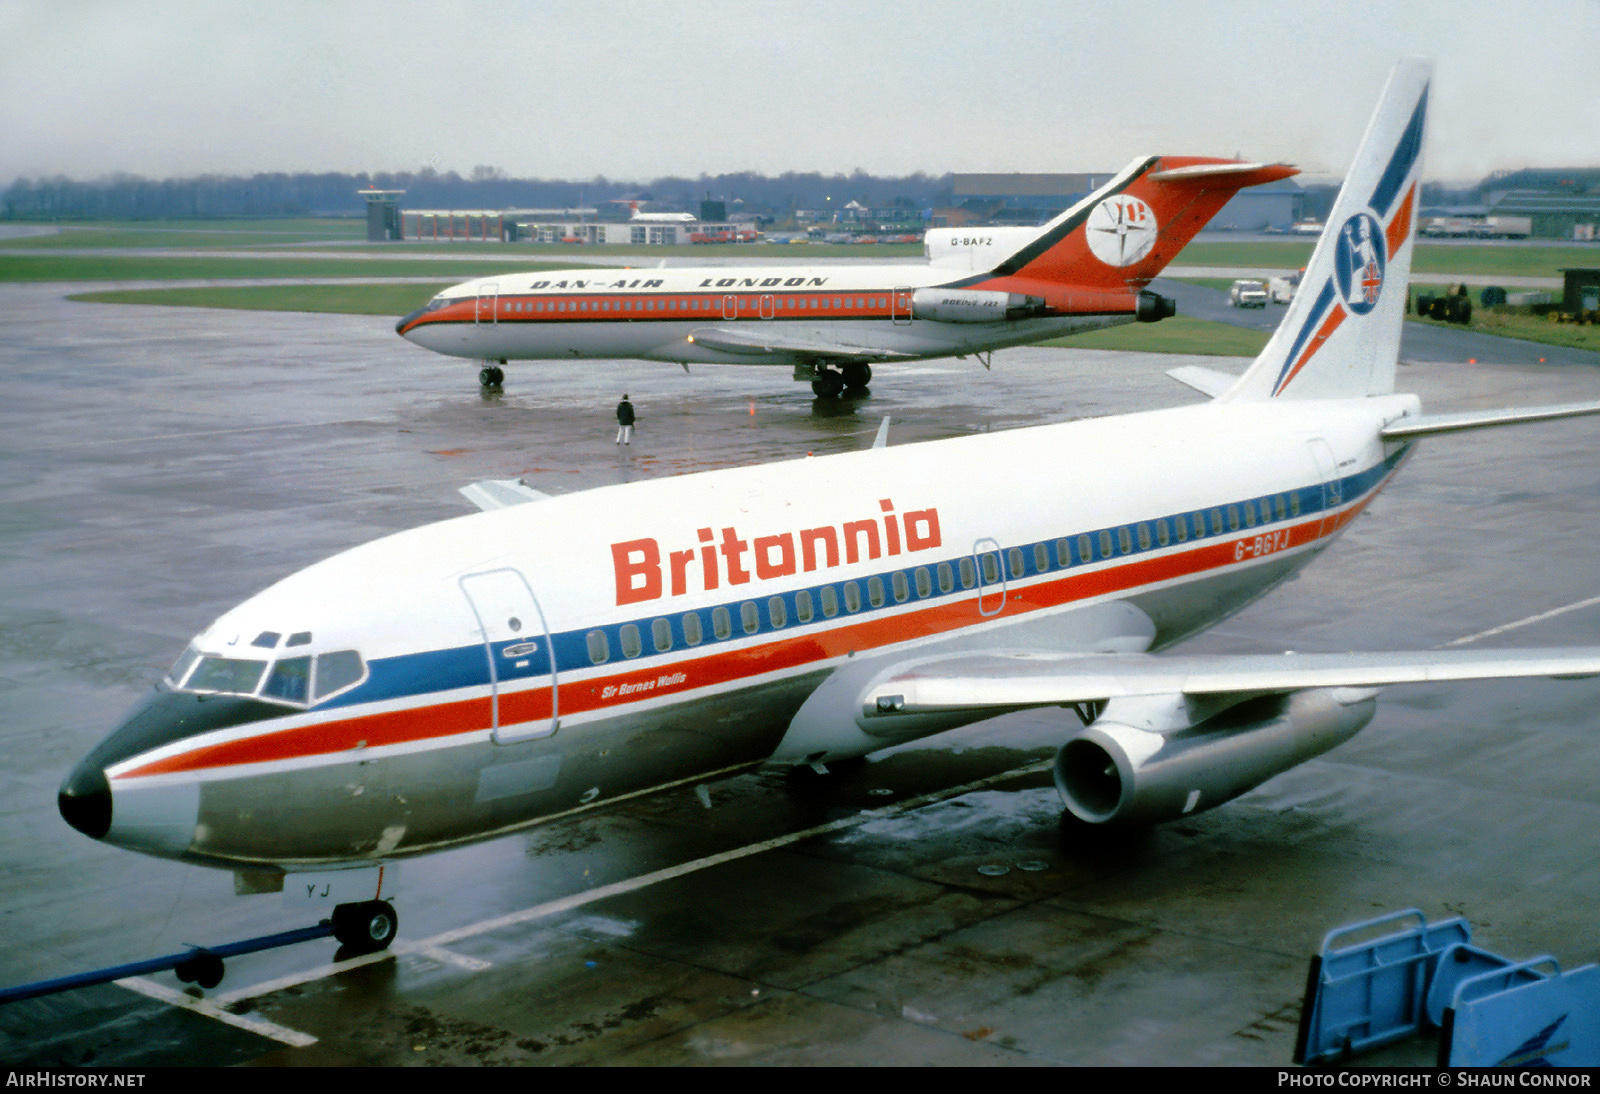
<point x="500" y="493"/>
<point x="742" y="342"/>
<point x="1016" y="681"/>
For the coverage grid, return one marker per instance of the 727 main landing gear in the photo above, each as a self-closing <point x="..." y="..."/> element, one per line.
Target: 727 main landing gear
<point x="853" y="376"/>
<point x="492" y="375"/>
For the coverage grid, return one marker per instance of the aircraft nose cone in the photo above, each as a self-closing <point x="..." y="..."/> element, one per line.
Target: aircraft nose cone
<point x="85" y="800"/>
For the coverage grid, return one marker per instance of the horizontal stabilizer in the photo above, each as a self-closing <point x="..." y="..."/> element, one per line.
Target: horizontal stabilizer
<point x="501" y="493"/>
<point x="746" y="344"/>
<point x="1017" y="681"/>
<point x="1431" y="424"/>
<point x="1235" y="174"/>
<point x="1207" y="381"/>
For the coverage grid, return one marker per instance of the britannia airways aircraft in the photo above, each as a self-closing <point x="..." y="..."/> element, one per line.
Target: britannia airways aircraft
<point x="557" y="655"/>
<point x="982" y="290"/>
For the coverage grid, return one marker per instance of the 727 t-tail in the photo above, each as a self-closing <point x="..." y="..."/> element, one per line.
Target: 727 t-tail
<point x="984" y="290"/>
<point x="554" y="656"/>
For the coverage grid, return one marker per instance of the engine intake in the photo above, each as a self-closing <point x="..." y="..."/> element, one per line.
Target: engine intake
<point x="1112" y="773"/>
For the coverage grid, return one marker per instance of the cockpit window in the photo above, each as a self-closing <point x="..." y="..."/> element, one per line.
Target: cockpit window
<point x="337" y="671"/>
<point x="180" y="668"/>
<point x="230" y="675"/>
<point x="290" y="680"/>
<point x="297" y="681"/>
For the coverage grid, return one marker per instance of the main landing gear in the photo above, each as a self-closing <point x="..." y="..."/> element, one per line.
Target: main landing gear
<point x="852" y="377"/>
<point x="491" y="375"/>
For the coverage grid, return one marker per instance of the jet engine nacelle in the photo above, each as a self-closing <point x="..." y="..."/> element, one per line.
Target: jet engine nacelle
<point x="1153" y="307"/>
<point x="973" y="305"/>
<point x="1113" y="773"/>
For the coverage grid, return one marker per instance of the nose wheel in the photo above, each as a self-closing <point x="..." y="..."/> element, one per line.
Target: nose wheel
<point x="491" y="376"/>
<point x="366" y="927"/>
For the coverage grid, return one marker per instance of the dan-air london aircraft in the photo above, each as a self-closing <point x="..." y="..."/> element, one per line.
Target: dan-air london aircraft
<point x="557" y="655"/>
<point x="982" y="290"/>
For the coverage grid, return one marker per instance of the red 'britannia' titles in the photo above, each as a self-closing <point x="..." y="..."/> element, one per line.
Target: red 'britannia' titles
<point x="723" y="557"/>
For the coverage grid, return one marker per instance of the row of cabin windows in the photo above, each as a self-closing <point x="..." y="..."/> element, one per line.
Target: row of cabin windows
<point x="826" y="602"/>
<point x="901" y="584"/>
<point x="693" y="303"/>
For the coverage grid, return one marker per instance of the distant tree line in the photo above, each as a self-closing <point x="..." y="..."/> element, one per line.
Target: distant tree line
<point x="132" y="197"/>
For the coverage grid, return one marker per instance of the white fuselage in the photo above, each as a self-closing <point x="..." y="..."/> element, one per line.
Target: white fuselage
<point x="692" y="619"/>
<point x="653" y="314"/>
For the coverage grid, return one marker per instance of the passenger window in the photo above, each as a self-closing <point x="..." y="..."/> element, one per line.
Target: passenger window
<point x="721" y="622"/>
<point x="852" y="597"/>
<point x="750" y="617"/>
<point x="830" y="601"/>
<point x="947" y="577"/>
<point x="924" y="582"/>
<point x="661" y="631"/>
<point x="875" y="591"/>
<point x="1294" y="504"/>
<point x="599" y="648"/>
<point x="969" y="573"/>
<point x="1249" y="514"/>
<point x="1085" y="548"/>
<point x="1180" y="527"/>
<point x="1233" y="518"/>
<point x="1018" y="567"/>
<point x="691" y="628"/>
<point x="1163" y="537"/>
<point x="991" y="568"/>
<point x="1216" y="522"/>
<point x="1041" y="557"/>
<point x="1278" y="506"/>
<point x="632" y="646"/>
<point x="802" y="606"/>
<point x="1105" y="544"/>
<point x="902" y="590"/>
<point x="1124" y="540"/>
<point x="1144" y="537"/>
<point x="777" y="612"/>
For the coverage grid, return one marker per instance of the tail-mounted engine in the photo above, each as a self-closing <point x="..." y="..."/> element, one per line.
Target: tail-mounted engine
<point x="1153" y="307"/>
<point x="1112" y="772"/>
<point x="973" y="305"/>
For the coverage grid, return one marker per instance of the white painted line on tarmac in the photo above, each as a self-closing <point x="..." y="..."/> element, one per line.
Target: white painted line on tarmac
<point x="644" y="881"/>
<point x="1541" y="617"/>
<point x="213" y="1008"/>
<point x="435" y="948"/>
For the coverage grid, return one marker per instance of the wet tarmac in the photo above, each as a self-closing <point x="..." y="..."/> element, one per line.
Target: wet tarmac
<point x="925" y="907"/>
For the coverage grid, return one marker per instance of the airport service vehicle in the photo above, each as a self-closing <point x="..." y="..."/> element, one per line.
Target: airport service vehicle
<point x="553" y="656"/>
<point x="1247" y="294"/>
<point x="985" y="289"/>
<point x="1282" y="289"/>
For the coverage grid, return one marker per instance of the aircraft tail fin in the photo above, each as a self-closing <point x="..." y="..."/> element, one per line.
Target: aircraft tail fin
<point x="1340" y="337"/>
<point x="1124" y="233"/>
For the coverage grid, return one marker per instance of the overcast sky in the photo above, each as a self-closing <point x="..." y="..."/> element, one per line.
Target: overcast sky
<point x="634" y="90"/>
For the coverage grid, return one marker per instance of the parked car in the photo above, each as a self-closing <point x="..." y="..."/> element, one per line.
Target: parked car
<point x="1248" y="294"/>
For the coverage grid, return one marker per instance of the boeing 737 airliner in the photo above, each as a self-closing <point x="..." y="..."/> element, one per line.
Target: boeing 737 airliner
<point x="556" y="655"/>
<point x="983" y="290"/>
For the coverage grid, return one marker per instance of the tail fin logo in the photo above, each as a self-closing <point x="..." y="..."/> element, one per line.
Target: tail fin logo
<point x="1359" y="263"/>
<point x="1121" y="230"/>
